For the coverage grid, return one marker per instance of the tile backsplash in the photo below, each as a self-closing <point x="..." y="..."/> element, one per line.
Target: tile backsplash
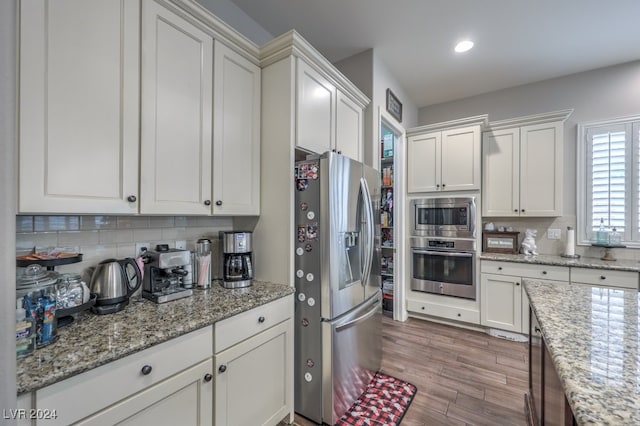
<point x="103" y="237"/>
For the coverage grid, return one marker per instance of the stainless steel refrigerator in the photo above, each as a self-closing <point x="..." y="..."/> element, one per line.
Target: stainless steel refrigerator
<point x="338" y="345"/>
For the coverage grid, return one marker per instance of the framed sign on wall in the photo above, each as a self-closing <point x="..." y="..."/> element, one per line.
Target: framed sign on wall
<point x="394" y="107"/>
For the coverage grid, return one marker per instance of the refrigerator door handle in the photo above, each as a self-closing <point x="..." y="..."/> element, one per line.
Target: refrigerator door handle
<point x="370" y="239"/>
<point x="373" y="309"/>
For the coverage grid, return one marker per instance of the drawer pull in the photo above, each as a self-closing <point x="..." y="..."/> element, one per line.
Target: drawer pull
<point x="544" y="272"/>
<point x="537" y="330"/>
<point x="261" y="320"/>
<point x="459" y="314"/>
<point x="499" y="268"/>
<point x="517" y="283"/>
<point x="219" y="203"/>
<point x="222" y="368"/>
<point x="146" y="370"/>
<point x="207" y="202"/>
<point x="602" y="277"/>
<point x="208" y="377"/>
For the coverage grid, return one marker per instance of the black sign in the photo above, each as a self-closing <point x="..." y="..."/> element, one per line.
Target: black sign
<point x="394" y="107"/>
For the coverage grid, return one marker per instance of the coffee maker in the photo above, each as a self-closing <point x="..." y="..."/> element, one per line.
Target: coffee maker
<point x="237" y="260"/>
<point x="165" y="271"/>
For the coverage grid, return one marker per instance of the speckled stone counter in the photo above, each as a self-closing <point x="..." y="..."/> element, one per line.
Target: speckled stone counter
<point x="94" y="340"/>
<point x="592" y="335"/>
<point x="547" y="259"/>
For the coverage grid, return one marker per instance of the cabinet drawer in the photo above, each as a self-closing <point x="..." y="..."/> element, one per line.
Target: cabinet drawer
<point x="89" y="392"/>
<point x="233" y="330"/>
<point x="443" y="311"/>
<point x="604" y="278"/>
<point x="525" y="270"/>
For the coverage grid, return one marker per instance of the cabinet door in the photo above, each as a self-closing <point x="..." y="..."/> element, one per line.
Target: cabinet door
<point x="349" y="128"/>
<point x="79" y="126"/>
<point x="541" y="170"/>
<point x="460" y="159"/>
<point x="253" y="379"/>
<point x="183" y="399"/>
<point x="501" y="173"/>
<point x="501" y="302"/>
<point x="236" y="138"/>
<point x="423" y="162"/>
<point x="177" y="68"/>
<point x="316" y="98"/>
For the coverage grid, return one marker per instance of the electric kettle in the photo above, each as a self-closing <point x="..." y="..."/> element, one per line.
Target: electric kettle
<point x="114" y="281"/>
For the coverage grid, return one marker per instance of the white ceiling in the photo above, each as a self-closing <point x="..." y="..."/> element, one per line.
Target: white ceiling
<point x="516" y="41"/>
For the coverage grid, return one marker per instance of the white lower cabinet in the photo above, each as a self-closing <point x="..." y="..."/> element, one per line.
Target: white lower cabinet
<point x="504" y="303"/>
<point x="501" y="302"/>
<point x="605" y="278"/>
<point x="254" y="375"/>
<point x="152" y="386"/>
<point x="182" y="399"/>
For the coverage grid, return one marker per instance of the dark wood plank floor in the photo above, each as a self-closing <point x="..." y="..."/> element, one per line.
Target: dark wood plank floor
<point x="463" y="377"/>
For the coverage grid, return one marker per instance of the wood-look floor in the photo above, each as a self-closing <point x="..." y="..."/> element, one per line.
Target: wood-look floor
<point x="463" y="377"/>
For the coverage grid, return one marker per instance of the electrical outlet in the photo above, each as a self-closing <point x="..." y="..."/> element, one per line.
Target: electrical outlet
<point x="553" y="234"/>
<point x="181" y="244"/>
<point x="139" y="247"/>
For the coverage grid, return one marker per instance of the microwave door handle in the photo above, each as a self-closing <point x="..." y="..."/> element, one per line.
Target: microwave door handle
<point x="368" y="254"/>
<point x="443" y="253"/>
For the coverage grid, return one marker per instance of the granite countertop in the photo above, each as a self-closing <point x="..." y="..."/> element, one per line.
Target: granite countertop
<point x="592" y="335"/>
<point x="548" y="259"/>
<point x="94" y="340"/>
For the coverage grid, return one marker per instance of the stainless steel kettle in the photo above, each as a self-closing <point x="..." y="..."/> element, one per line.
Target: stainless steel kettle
<point x="114" y="281"/>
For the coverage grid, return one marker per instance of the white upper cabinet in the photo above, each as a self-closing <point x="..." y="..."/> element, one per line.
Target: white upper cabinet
<point x="522" y="166"/>
<point x="445" y="156"/>
<point x="176" y="135"/>
<point x="79" y="74"/>
<point x="349" y="128"/>
<point x="327" y="119"/>
<point x="316" y="108"/>
<point x="236" y="134"/>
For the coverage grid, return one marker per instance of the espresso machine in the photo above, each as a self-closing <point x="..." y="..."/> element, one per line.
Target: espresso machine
<point x="165" y="273"/>
<point x="236" y="258"/>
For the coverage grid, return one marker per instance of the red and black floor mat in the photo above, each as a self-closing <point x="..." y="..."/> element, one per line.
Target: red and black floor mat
<point x="384" y="402"/>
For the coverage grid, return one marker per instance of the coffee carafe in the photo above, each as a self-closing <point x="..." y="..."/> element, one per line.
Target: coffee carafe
<point x="237" y="259"/>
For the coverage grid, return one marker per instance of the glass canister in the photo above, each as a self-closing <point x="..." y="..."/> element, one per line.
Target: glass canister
<point x="71" y="291"/>
<point x="203" y="263"/>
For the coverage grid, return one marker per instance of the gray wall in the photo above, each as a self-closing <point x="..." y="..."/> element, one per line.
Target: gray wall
<point x="8" y="143"/>
<point x="594" y="95"/>
<point x="234" y="16"/>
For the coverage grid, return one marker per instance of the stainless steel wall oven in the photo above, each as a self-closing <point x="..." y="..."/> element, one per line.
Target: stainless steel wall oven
<point x="443" y="246"/>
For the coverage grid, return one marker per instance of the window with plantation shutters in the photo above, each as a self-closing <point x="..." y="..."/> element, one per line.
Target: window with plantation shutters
<point x="609" y="179"/>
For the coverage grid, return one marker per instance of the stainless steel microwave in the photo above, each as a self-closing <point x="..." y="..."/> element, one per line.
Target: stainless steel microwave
<point x="444" y="217"/>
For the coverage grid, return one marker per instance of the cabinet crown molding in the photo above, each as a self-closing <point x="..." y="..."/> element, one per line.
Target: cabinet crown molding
<point x="219" y="30"/>
<point x="528" y="120"/>
<point x="460" y="122"/>
<point x="292" y="43"/>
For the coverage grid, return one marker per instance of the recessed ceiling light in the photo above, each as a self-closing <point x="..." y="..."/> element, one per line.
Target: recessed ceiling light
<point x="463" y="46"/>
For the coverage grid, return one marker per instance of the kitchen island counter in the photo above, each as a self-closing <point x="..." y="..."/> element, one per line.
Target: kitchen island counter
<point x="94" y="340"/>
<point x="549" y="259"/>
<point x="592" y="335"/>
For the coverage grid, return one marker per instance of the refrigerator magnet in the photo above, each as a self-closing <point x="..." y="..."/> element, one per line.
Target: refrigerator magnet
<point x="302" y="233"/>
<point x="301" y="184"/>
<point x="312" y="231"/>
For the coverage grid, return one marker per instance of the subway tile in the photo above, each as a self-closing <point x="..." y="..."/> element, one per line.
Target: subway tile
<point x="116" y="236"/>
<point x="161" y="222"/>
<point x="78" y="238"/>
<point x="173" y="233"/>
<point x="147" y="235"/>
<point x="24" y="223"/>
<point x="89" y="223"/>
<point x="133" y="222"/>
<point x="181" y="221"/>
<point x="25" y="241"/>
<point x="56" y="223"/>
<point x="126" y="250"/>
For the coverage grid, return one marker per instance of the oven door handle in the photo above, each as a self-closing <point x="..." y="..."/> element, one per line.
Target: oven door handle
<point x="443" y="253"/>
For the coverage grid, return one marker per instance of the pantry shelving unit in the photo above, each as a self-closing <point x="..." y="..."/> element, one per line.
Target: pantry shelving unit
<point x="387" y="149"/>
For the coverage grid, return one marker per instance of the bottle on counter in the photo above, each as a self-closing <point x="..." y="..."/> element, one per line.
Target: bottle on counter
<point x="615" y="238"/>
<point x="25" y="332"/>
<point x="602" y="236"/>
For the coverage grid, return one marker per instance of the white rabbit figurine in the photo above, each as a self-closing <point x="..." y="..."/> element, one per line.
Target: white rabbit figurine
<point x="528" y="246"/>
